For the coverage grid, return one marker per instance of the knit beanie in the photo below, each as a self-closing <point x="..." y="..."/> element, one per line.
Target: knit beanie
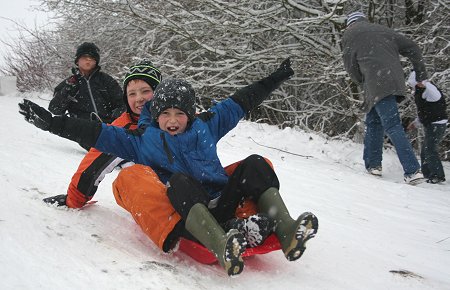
<point x="173" y="93"/>
<point x="88" y="48"/>
<point x="352" y="17"/>
<point x="145" y="71"/>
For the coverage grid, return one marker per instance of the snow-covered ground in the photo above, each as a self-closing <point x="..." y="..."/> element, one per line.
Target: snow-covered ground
<point x="374" y="233"/>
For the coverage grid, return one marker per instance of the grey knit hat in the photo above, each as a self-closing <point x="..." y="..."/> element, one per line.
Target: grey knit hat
<point x="173" y="93"/>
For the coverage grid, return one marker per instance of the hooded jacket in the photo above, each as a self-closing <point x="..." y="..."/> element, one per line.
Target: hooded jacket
<point x="371" y="58"/>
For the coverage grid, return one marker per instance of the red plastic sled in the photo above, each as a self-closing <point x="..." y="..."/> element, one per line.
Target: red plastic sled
<point x="202" y="255"/>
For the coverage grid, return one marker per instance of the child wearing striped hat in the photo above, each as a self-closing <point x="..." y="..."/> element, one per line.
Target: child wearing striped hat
<point x="139" y="84"/>
<point x="181" y="148"/>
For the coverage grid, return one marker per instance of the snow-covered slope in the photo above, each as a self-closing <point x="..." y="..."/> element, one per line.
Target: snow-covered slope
<point x="374" y="233"/>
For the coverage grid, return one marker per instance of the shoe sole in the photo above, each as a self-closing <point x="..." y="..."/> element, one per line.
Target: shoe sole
<point x="306" y="229"/>
<point x="234" y="248"/>
<point x="374" y="173"/>
<point x="416" y="181"/>
<point x="441" y="181"/>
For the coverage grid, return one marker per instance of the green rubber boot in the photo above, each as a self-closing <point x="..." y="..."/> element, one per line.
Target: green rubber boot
<point x="227" y="247"/>
<point x="292" y="234"/>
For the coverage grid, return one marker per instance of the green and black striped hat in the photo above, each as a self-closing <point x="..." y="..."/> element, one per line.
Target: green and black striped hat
<point x="144" y="70"/>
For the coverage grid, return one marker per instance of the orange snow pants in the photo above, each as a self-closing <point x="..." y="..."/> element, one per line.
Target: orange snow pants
<point x="140" y="192"/>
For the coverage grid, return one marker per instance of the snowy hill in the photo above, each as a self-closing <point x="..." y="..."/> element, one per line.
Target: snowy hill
<point x="374" y="233"/>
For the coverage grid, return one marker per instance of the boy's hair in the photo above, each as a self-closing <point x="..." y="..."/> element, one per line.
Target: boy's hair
<point x="173" y="93"/>
<point x="145" y="71"/>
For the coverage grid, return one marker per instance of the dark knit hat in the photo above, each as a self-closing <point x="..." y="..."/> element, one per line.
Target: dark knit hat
<point x="143" y="70"/>
<point x="173" y="93"/>
<point x="352" y="17"/>
<point x="88" y="48"/>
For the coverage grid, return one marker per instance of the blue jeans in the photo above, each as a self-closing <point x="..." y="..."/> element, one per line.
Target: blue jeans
<point x="384" y="117"/>
<point x="429" y="155"/>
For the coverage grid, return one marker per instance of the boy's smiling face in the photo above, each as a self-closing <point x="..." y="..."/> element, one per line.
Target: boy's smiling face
<point x="138" y="93"/>
<point x="173" y="120"/>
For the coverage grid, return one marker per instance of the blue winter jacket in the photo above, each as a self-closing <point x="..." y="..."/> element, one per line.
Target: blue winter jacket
<point x="193" y="152"/>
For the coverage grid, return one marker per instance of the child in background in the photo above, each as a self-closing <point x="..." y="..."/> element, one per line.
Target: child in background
<point x="432" y="114"/>
<point x="139" y="84"/>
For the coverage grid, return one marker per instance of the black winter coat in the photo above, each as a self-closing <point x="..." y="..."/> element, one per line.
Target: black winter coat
<point x="430" y="112"/>
<point x="99" y="93"/>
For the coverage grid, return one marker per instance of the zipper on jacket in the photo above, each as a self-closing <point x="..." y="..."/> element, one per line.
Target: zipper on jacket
<point x="90" y="91"/>
<point x="166" y="148"/>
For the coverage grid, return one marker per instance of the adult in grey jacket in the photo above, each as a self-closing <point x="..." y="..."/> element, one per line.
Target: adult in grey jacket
<point x="371" y="54"/>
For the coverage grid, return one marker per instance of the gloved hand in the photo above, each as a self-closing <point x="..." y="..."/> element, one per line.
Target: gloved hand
<point x="59" y="200"/>
<point x="284" y="71"/>
<point x="36" y="115"/>
<point x="76" y="72"/>
<point x="82" y="131"/>
<point x="73" y="83"/>
<point x="253" y="95"/>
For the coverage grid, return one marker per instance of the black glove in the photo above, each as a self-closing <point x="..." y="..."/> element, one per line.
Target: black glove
<point x="79" y="130"/>
<point x="73" y="83"/>
<point x="60" y="200"/>
<point x="251" y="96"/>
<point x="76" y="72"/>
<point x="284" y="72"/>
<point x="36" y="115"/>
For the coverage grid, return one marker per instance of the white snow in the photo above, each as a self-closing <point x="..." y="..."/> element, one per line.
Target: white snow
<point x="370" y="228"/>
<point x="8" y="85"/>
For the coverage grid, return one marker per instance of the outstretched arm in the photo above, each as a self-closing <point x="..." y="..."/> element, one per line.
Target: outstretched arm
<point x="109" y="139"/>
<point x="82" y="131"/>
<point x="253" y="95"/>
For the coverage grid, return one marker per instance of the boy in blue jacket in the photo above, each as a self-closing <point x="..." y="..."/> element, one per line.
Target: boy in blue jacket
<point x="181" y="148"/>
